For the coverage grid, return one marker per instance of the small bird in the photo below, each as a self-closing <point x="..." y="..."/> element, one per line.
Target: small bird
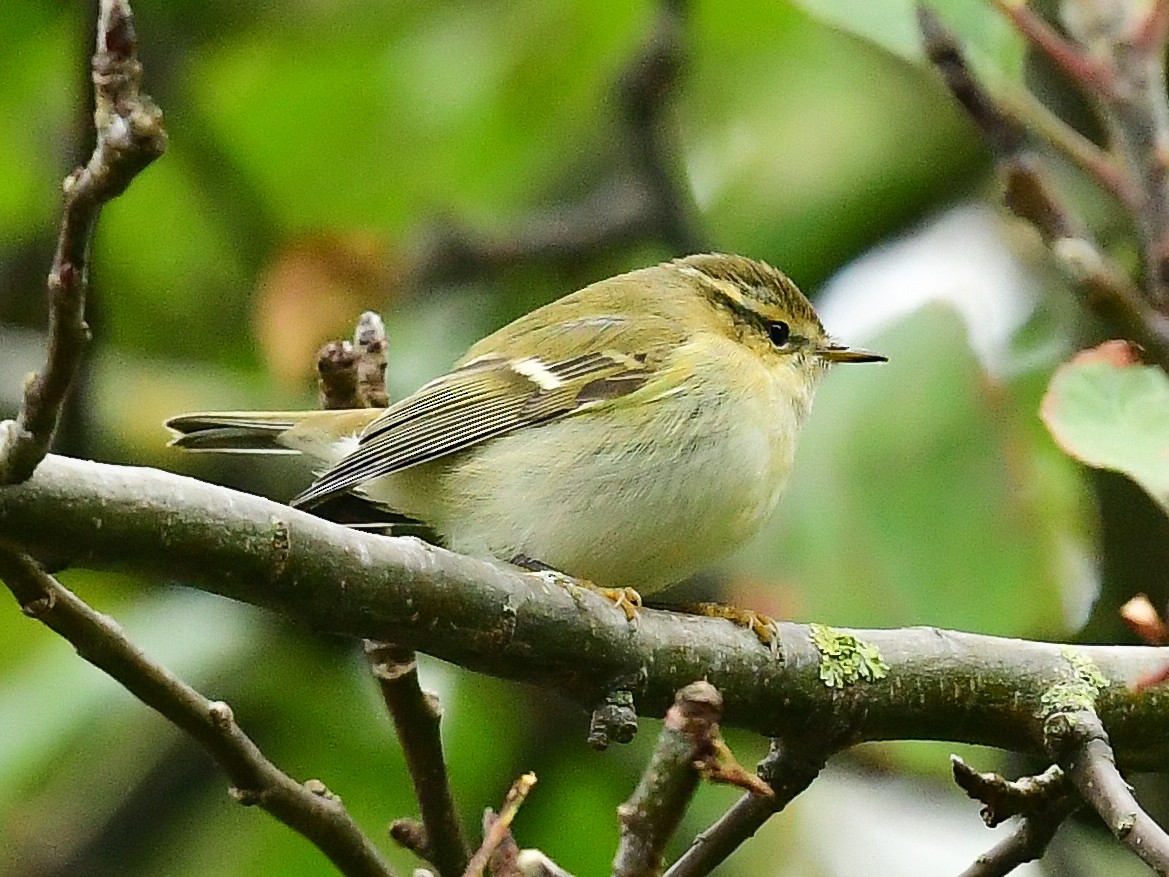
<point x="626" y="435"/>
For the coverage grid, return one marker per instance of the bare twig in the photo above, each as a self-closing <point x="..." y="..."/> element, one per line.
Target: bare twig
<point x="689" y="743"/>
<point x="1136" y="115"/>
<point x="129" y="136"/>
<point x="1094" y="75"/>
<point x="1026" y="843"/>
<point x="1078" y="742"/>
<point x="1003" y="798"/>
<point x="1103" y="286"/>
<point x="308" y="808"/>
<point x="417" y="716"/>
<point x="654" y="810"/>
<point x="1043" y="802"/>
<point x="787" y="770"/>
<point x="500" y="827"/>
<point x="353" y="374"/>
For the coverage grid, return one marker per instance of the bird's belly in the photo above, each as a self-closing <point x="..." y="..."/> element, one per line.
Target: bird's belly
<point x="623" y="510"/>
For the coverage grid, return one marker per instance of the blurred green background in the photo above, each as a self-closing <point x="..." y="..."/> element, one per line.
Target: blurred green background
<point x="328" y="156"/>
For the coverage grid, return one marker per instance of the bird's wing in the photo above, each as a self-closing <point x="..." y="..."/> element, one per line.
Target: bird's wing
<point x="486" y="397"/>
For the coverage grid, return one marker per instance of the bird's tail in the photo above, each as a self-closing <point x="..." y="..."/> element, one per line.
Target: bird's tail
<point x="239" y="432"/>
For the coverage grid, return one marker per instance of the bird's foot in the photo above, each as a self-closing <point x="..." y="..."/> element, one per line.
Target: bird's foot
<point x="625" y="599"/>
<point x="763" y="626"/>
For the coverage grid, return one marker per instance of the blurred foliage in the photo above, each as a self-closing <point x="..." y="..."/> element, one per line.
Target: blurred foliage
<point x="317" y="149"/>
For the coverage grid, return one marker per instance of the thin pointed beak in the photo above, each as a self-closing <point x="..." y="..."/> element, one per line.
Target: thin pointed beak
<point x="839" y="353"/>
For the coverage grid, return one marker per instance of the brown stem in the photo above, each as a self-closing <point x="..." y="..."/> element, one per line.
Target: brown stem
<point x="1043" y="802"/>
<point x="417" y="716"/>
<point x="1093" y="75"/>
<point x="500" y="828"/>
<point x="788" y="769"/>
<point x="129" y="136"/>
<point x="654" y="810"/>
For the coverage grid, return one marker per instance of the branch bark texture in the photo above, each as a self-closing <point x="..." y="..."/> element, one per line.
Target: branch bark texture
<point x="495" y="619"/>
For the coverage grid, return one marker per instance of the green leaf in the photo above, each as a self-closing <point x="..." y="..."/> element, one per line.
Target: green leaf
<point x="1110" y="412"/>
<point x="892" y="24"/>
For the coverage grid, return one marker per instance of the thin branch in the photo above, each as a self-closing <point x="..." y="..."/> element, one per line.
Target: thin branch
<point x="1079" y="743"/>
<point x="653" y="812"/>
<point x="495" y="619"/>
<point x="129" y="136"/>
<point x="787" y="770"/>
<point x="1136" y="115"/>
<point x="1096" y="76"/>
<point x="1003" y="798"/>
<point x="417" y="716"/>
<point x="1102" y="286"/>
<point x="1043" y="802"/>
<point x="308" y="808"/>
<point x="1025" y="844"/>
<point x="1099" y="165"/>
<point x="353" y="375"/>
<point x="500" y="828"/>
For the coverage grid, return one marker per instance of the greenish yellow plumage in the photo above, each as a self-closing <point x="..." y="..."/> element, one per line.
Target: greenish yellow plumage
<point x="627" y="434"/>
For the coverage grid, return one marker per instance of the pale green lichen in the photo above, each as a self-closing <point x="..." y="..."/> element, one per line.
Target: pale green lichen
<point x="1079" y="692"/>
<point x="845" y="659"/>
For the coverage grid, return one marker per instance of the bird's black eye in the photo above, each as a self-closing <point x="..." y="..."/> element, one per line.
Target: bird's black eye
<point x="779" y="332"/>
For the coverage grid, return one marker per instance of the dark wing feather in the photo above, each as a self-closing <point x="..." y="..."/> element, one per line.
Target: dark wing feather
<point x="486" y="398"/>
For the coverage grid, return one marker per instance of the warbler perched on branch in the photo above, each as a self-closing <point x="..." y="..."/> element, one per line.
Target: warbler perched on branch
<point x="627" y="434"/>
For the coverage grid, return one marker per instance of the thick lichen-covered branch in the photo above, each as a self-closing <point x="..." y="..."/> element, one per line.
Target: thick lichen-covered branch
<point x="493" y="618"/>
